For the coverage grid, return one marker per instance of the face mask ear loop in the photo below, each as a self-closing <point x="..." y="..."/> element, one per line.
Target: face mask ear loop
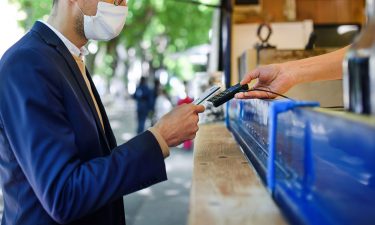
<point x="117" y="3"/>
<point x="80" y="9"/>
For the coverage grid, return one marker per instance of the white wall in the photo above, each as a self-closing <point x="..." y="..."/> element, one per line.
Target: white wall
<point x="289" y="35"/>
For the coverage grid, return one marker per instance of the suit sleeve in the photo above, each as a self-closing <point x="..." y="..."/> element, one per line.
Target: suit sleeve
<point x="36" y="125"/>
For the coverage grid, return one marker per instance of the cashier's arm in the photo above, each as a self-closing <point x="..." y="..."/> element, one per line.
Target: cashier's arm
<point x="281" y="77"/>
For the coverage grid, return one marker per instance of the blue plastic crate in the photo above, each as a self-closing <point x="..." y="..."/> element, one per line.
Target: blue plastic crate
<point x="320" y="166"/>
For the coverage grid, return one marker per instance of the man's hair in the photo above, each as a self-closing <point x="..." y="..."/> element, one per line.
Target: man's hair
<point x="54" y="2"/>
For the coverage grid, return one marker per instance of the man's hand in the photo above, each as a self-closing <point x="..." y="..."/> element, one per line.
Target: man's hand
<point x="180" y="124"/>
<point x="275" y="78"/>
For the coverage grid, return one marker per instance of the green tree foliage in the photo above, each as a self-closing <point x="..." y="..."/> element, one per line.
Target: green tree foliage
<point x="34" y="10"/>
<point x="154" y="28"/>
<point x="183" y="25"/>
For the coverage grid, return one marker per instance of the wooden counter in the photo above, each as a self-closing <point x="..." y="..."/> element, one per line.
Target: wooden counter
<point x="225" y="188"/>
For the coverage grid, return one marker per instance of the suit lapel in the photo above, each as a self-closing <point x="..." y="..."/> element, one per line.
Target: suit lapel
<point x="78" y="77"/>
<point x="109" y="133"/>
<point x="51" y="38"/>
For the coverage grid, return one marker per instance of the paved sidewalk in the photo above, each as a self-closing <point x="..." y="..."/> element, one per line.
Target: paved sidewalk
<point x="166" y="203"/>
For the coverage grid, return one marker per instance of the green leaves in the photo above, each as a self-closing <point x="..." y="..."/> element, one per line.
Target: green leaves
<point x="154" y="28"/>
<point x="34" y="10"/>
<point x="179" y="25"/>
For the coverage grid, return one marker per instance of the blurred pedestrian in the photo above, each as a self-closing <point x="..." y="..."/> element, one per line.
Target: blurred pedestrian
<point x="143" y="98"/>
<point x="162" y="105"/>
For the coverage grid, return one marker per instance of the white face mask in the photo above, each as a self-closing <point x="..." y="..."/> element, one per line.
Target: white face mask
<point x="107" y="23"/>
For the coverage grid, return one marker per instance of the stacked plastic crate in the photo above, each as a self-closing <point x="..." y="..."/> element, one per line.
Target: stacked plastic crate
<point x="319" y="165"/>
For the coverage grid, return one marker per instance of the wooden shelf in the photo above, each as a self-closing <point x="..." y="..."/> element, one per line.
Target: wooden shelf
<point x="320" y="11"/>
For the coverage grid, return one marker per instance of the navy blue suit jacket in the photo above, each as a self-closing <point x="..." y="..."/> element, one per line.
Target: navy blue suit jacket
<point x="57" y="164"/>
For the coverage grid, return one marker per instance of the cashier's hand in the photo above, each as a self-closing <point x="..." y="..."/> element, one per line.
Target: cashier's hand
<point x="275" y="78"/>
<point x="180" y="124"/>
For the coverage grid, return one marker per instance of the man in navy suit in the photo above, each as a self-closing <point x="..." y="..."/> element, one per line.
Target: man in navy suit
<point x="59" y="161"/>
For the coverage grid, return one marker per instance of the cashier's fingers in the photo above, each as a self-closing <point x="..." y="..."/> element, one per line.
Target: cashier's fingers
<point x="255" y="94"/>
<point x="251" y="76"/>
<point x="266" y="75"/>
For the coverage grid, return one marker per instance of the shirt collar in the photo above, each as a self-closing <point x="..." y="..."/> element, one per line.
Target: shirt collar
<point x="74" y="50"/>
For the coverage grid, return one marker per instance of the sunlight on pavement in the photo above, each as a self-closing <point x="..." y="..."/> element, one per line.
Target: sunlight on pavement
<point x="145" y="192"/>
<point x="127" y="136"/>
<point x="115" y="124"/>
<point x="172" y="192"/>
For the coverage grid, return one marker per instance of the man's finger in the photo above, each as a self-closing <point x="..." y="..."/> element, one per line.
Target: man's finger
<point x="199" y="108"/>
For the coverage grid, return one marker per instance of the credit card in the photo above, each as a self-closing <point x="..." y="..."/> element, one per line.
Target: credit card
<point x="208" y="93"/>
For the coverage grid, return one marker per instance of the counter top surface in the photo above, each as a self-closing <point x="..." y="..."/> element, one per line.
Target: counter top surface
<point x="225" y="187"/>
